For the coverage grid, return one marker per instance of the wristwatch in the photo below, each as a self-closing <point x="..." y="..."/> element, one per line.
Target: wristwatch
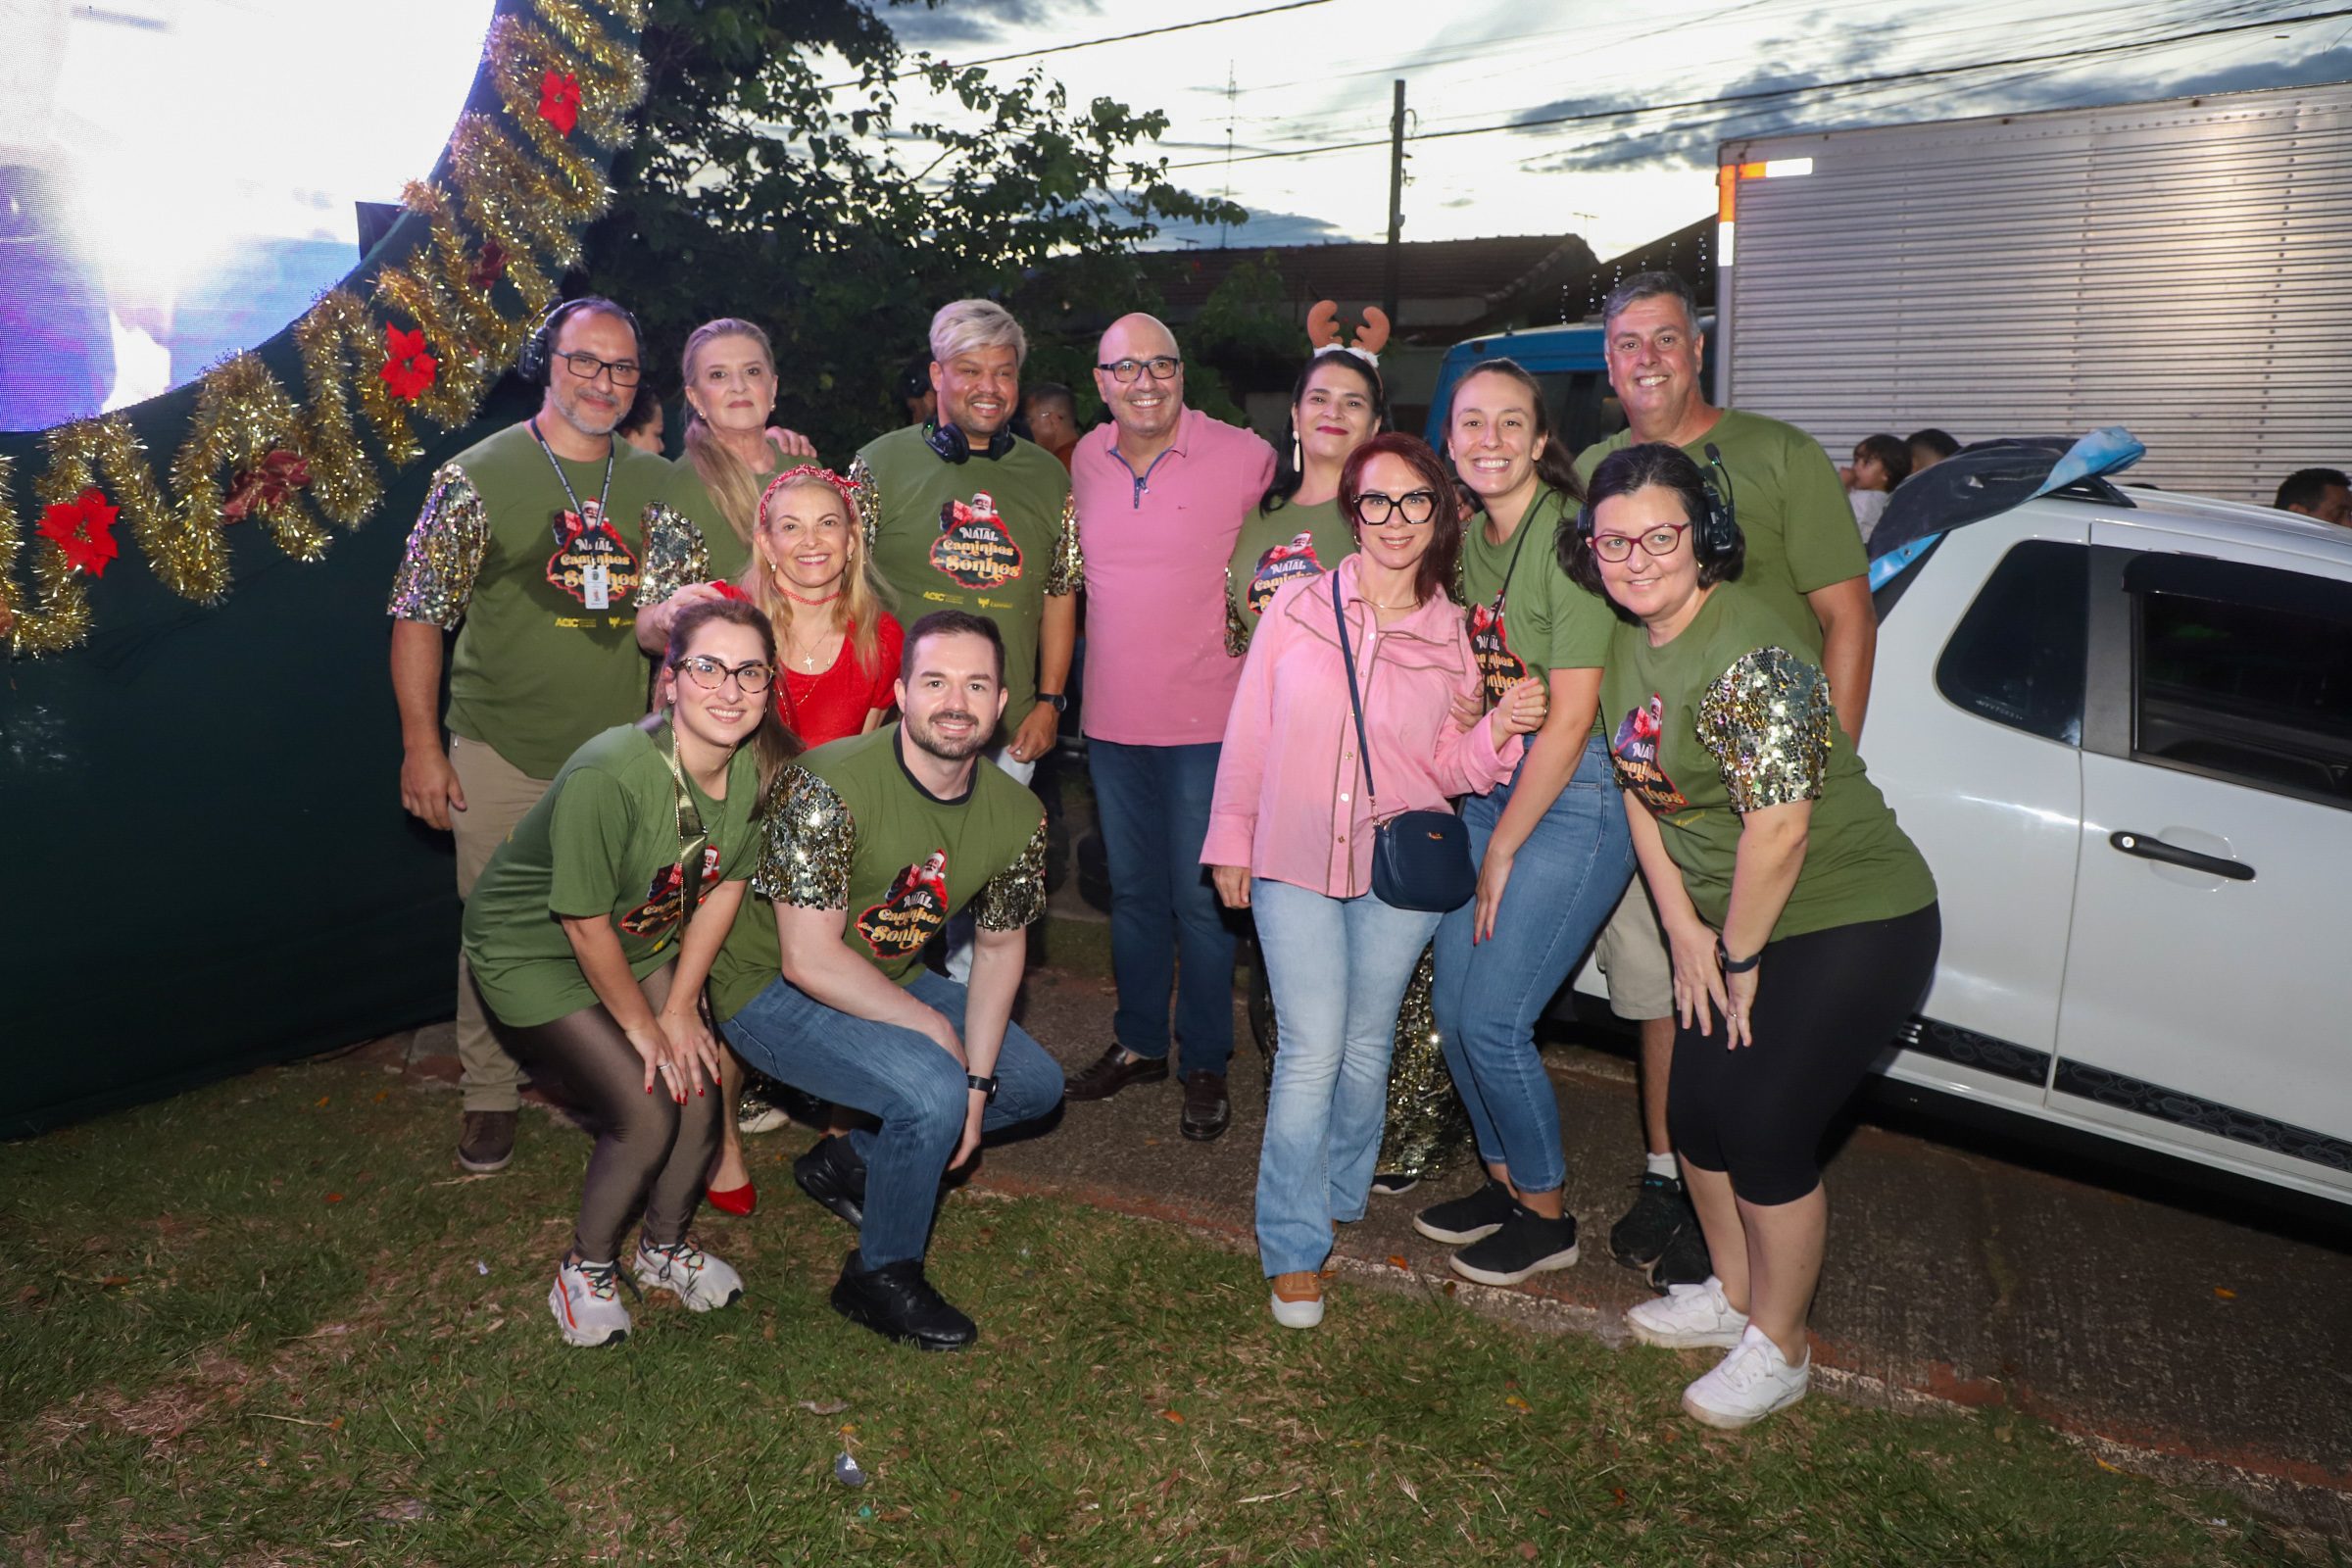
<point x="1056" y="701"/>
<point x="987" y="1085"/>
<point x="1732" y="965"/>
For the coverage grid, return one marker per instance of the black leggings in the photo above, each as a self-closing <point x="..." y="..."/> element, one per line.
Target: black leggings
<point x="1826" y="1003"/>
<point x="647" y="1147"/>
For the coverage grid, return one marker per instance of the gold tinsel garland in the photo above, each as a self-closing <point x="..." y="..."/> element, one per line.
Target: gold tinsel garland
<point x="523" y="203"/>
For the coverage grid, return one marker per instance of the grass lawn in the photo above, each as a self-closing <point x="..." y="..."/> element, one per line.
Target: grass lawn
<point x="269" y="1322"/>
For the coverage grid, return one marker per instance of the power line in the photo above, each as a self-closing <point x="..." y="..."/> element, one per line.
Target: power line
<point x="1721" y="100"/>
<point x="1124" y="37"/>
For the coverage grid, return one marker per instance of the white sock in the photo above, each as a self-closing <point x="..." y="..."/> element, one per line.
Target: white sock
<point x="1664" y="1165"/>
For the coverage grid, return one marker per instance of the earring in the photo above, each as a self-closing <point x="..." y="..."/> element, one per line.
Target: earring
<point x="1296" y="467"/>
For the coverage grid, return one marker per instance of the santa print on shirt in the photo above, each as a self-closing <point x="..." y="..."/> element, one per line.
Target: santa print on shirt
<point x="1279" y="565"/>
<point x="1489" y="644"/>
<point x="974" y="546"/>
<point x="911" y="912"/>
<point x="661" y="907"/>
<point x="590" y="561"/>
<point x="1635" y="750"/>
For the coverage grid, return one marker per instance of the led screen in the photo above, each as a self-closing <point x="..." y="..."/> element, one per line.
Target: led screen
<point x="178" y="178"/>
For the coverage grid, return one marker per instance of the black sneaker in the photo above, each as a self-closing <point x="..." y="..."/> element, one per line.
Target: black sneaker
<point x="486" y="1139"/>
<point x="1660" y="1209"/>
<point x="1684" y="1261"/>
<point x="1393" y="1183"/>
<point x="1462" y="1220"/>
<point x="896" y="1302"/>
<point x="832" y="1173"/>
<point x="1525" y="1244"/>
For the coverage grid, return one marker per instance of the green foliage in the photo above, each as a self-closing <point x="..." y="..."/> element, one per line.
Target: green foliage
<point x="1246" y="328"/>
<point x="750" y="191"/>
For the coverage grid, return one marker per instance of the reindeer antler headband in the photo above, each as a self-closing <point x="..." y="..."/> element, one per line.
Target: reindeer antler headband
<point x="1323" y="331"/>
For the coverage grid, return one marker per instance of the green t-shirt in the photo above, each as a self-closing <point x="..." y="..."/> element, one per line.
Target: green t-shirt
<point x="1291" y="541"/>
<point x="729" y="553"/>
<point x="1728" y="718"/>
<point x="849" y="828"/>
<point x="990" y="536"/>
<point x="1792" y="509"/>
<point x="603" y="840"/>
<point x="1527" y="616"/>
<point x="544" y="601"/>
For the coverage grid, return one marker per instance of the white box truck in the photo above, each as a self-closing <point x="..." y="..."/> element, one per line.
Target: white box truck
<point x="2181" y="267"/>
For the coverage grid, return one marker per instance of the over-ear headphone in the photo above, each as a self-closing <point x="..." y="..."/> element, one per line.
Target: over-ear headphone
<point x="539" y="352"/>
<point x="954" y="446"/>
<point x="1717" y="532"/>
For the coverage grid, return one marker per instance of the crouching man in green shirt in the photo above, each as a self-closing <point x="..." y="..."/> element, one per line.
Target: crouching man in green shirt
<point x="872" y="844"/>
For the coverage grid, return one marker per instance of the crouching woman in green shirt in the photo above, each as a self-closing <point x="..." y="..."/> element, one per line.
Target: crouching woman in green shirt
<point x="591" y="953"/>
<point x="1803" y="922"/>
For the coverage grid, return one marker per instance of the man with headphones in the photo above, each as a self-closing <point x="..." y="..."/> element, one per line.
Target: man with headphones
<point x="1805" y="556"/>
<point x="960" y="514"/>
<point x="537" y="547"/>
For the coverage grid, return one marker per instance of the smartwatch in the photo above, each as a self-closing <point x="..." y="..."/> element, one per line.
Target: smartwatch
<point x="1732" y="965"/>
<point x="1056" y="701"/>
<point x="987" y="1085"/>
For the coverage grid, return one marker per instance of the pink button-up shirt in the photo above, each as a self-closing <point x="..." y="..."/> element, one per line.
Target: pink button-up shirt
<point x="1156" y="546"/>
<point x="1290" y="803"/>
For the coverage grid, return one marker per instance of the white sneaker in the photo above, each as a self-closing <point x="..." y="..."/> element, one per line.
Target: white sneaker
<point x="1688" y="1316"/>
<point x="1297" y="1311"/>
<point x="689" y="1273"/>
<point x="586" y="1302"/>
<point x="1748" y="1384"/>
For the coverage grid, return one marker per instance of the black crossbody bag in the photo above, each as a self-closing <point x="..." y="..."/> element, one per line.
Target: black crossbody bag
<point x="1420" y="860"/>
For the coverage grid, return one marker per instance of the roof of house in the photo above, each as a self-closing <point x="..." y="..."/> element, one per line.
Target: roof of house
<point x="1441" y="283"/>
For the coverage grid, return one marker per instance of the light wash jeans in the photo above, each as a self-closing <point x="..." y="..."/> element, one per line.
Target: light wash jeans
<point x="1337" y="968"/>
<point x="1565" y="880"/>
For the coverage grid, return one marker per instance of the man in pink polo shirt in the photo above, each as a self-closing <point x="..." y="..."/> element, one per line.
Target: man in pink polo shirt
<point x="1160" y="492"/>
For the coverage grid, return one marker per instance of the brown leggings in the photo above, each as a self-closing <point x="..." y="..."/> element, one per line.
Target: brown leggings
<point x="647" y="1147"/>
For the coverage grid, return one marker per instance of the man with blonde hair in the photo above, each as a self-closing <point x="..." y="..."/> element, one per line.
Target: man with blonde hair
<point x="960" y="514"/>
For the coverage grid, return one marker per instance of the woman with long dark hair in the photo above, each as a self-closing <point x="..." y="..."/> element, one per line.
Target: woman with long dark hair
<point x="1337" y="404"/>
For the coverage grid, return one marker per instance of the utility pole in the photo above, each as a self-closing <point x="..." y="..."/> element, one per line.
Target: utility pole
<point x="1396" y="200"/>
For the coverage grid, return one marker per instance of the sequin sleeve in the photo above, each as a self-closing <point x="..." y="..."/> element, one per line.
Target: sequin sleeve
<point x="1067" y="573"/>
<point x="675" y="554"/>
<point x="1015" y="896"/>
<point x="1237" y="630"/>
<point x="866" y="497"/>
<point x="810" y="842"/>
<point x="1768" y="722"/>
<point x="435" y="580"/>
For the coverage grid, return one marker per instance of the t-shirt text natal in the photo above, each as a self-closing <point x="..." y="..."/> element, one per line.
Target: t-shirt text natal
<point x="1526" y="615"/>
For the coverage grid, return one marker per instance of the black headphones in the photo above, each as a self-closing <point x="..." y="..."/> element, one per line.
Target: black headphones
<point x="1717" y="533"/>
<point x="954" y="446"/>
<point x="539" y="353"/>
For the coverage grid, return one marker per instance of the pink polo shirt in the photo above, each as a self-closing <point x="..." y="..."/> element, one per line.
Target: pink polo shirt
<point x="1290" y="803"/>
<point x="1155" y="546"/>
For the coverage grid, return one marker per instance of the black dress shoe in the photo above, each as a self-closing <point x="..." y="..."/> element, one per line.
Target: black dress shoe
<point x="832" y="1173"/>
<point x="896" y="1302"/>
<point x="1206" y="1110"/>
<point x="1112" y="1072"/>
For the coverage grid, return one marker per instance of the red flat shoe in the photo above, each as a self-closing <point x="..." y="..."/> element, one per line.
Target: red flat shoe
<point x="735" y="1199"/>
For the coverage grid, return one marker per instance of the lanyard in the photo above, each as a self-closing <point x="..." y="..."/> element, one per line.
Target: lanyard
<point x="578" y="511"/>
<point x="692" y="835"/>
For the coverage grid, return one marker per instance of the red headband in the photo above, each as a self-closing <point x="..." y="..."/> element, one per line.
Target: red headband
<point x="809" y="471"/>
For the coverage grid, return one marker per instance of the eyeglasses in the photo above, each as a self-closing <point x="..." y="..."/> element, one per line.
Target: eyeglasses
<point x="1616" y="547"/>
<point x="1164" y="368"/>
<point x="709" y="675"/>
<point x="1375" y="509"/>
<point x="587" y="366"/>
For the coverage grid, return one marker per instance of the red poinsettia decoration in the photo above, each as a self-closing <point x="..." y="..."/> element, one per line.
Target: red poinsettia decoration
<point x="84" y="529"/>
<point x="265" y="484"/>
<point x="559" y="100"/>
<point x="407" y="369"/>
<point x="489" y="266"/>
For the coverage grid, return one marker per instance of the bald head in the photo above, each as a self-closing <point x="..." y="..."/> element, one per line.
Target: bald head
<point x="1145" y="406"/>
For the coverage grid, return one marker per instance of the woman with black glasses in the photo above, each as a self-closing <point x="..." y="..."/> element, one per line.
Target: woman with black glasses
<point x="1798" y="915"/>
<point x="592" y="930"/>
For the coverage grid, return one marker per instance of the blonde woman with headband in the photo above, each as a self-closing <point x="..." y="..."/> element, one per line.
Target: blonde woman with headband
<point x="837" y="654"/>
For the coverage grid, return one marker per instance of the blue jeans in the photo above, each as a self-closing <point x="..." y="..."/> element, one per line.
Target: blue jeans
<point x="902" y="1077"/>
<point x="1565" y="880"/>
<point x="1167" y="932"/>
<point x="1338" y="968"/>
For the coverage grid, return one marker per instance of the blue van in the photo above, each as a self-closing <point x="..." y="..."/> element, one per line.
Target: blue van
<point x="1567" y="361"/>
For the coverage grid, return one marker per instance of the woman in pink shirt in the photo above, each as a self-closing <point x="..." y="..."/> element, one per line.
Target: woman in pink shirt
<point x="1290" y="832"/>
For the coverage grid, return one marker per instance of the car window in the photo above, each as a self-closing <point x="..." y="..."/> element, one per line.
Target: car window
<point x="2018" y="656"/>
<point x="2244" y="673"/>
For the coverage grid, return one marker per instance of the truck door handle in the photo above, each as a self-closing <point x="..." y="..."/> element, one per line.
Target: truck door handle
<point x="2153" y="848"/>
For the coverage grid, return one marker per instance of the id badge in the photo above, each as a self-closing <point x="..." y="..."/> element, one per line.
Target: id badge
<point x="595" y="590"/>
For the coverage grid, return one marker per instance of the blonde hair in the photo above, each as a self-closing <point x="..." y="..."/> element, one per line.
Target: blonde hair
<point x="729" y="479"/>
<point x="970" y="324"/>
<point x="857" y="612"/>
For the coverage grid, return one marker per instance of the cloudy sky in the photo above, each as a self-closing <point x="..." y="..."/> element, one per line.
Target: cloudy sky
<point x="1283" y="86"/>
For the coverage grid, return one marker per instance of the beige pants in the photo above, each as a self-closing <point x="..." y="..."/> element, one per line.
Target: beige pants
<point x="1632" y="953"/>
<point x="497" y="795"/>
